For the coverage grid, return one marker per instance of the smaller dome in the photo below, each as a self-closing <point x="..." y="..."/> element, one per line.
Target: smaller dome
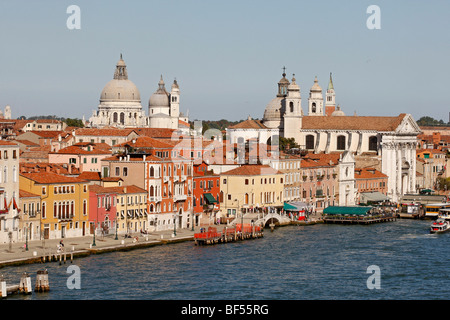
<point x="338" y="112"/>
<point x="161" y="97"/>
<point x="273" y="109"/>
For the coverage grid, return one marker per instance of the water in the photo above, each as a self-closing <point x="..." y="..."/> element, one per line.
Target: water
<point x="291" y="263"/>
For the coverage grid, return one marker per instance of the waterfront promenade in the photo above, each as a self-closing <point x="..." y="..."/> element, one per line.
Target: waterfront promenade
<point x="16" y="254"/>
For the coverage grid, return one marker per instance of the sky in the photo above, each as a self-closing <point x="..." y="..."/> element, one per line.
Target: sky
<point x="227" y="56"/>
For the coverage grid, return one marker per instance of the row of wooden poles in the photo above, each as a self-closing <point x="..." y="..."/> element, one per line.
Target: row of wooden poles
<point x="61" y="256"/>
<point x="24" y="286"/>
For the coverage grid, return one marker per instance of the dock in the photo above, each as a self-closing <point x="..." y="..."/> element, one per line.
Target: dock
<point x="228" y="234"/>
<point x="345" y="219"/>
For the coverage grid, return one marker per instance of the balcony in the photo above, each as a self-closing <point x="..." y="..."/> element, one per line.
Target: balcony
<point x="65" y="217"/>
<point x="155" y="199"/>
<point x="180" y="197"/>
<point x="175" y="179"/>
<point x="166" y="179"/>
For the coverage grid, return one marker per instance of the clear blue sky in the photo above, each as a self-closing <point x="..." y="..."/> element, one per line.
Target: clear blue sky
<point x="227" y="56"/>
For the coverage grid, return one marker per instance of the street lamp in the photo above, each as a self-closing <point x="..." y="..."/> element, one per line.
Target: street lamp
<point x="117" y="222"/>
<point x="26" y="237"/>
<point x="175" y="223"/>
<point x="93" y="243"/>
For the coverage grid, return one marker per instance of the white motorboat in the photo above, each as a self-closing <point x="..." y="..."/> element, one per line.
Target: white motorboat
<point x="440" y="225"/>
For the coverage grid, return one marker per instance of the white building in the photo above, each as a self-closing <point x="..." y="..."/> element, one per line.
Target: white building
<point x="324" y="130"/>
<point x="120" y="104"/>
<point x="9" y="191"/>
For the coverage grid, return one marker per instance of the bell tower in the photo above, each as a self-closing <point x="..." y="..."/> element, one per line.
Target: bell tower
<point x="330" y="103"/>
<point x="315" y="100"/>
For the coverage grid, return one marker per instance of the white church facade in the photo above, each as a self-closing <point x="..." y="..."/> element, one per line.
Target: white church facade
<point x="120" y="104"/>
<point x="326" y="129"/>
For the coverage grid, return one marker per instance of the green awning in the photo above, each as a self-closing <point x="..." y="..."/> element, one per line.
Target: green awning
<point x="347" y="210"/>
<point x="288" y="206"/>
<point x="210" y="198"/>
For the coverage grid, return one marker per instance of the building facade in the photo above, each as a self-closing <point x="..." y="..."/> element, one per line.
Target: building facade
<point x="64" y="203"/>
<point x="120" y="104"/>
<point x="9" y="191"/>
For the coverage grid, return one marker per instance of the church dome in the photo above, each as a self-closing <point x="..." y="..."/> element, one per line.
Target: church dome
<point x="338" y="112"/>
<point x="120" y="89"/>
<point x="273" y="109"/>
<point x="160" y="98"/>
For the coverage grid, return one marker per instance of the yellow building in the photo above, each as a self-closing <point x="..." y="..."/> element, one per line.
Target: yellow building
<point x="30" y="216"/>
<point x="131" y="209"/>
<point x="64" y="203"/>
<point x="251" y="188"/>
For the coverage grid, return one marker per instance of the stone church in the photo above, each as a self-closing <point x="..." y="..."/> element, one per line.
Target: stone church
<point x="325" y="129"/>
<point x="120" y="104"/>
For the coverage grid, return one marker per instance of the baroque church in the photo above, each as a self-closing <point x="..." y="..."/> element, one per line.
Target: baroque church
<point x="120" y="104"/>
<point x="391" y="141"/>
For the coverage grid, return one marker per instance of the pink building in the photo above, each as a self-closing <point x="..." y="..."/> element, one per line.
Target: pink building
<point x="86" y="156"/>
<point x="102" y="209"/>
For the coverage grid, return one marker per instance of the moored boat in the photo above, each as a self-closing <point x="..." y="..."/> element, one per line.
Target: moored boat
<point x="439" y="226"/>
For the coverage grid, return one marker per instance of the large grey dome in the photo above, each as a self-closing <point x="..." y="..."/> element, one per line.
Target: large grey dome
<point x="120" y="89"/>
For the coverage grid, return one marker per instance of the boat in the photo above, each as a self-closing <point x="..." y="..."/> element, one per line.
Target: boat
<point x="432" y="209"/>
<point x="444" y="214"/>
<point x="439" y="226"/>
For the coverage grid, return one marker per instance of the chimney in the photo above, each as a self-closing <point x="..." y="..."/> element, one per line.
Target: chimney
<point x="70" y="168"/>
<point x="47" y="169"/>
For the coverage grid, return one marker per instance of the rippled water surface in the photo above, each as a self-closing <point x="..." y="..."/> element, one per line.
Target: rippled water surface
<point x="291" y="263"/>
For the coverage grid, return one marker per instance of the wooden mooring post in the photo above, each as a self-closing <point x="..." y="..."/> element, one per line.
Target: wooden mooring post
<point x="42" y="284"/>
<point x="25" y="284"/>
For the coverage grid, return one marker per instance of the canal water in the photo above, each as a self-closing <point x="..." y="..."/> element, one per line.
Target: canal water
<point x="292" y="263"/>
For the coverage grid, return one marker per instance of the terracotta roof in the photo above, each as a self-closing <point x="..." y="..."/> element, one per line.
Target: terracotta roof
<point x="7" y="143"/>
<point x="47" y="134"/>
<point x="126" y="189"/>
<point x="249" y="124"/>
<point x="79" y="150"/>
<point x="251" y="170"/>
<point x="352" y="123"/>
<point x="26" y="194"/>
<point x="146" y="142"/>
<point x="155" y="132"/>
<point x="311" y="163"/>
<point x="115" y="132"/>
<point x="368" y="173"/>
<point x="50" y="178"/>
<point x="90" y="175"/>
<point x="27" y="143"/>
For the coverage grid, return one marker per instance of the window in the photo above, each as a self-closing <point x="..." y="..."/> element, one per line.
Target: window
<point x="224" y="181"/>
<point x="125" y="171"/>
<point x="309" y="141"/>
<point x="373" y="143"/>
<point x="246" y="181"/>
<point x="44" y="190"/>
<point x="341" y="143"/>
<point x="229" y="197"/>
<point x="313" y="107"/>
<point x="117" y="171"/>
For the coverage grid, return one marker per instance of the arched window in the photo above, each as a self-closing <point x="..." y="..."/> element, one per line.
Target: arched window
<point x="373" y="143"/>
<point x="309" y="141"/>
<point x="291" y="106"/>
<point x="313" y="108"/>
<point x="152" y="172"/>
<point x="122" y="118"/>
<point x="340" y="143"/>
<point x="115" y="117"/>
<point x="152" y="191"/>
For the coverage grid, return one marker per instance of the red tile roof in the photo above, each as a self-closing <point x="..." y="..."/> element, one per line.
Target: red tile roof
<point x="368" y="173"/>
<point x="50" y="178"/>
<point x="352" y="123"/>
<point x="251" y="170"/>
